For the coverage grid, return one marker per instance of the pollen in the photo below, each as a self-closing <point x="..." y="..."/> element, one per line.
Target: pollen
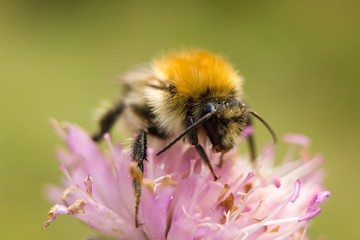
<point x="196" y="72"/>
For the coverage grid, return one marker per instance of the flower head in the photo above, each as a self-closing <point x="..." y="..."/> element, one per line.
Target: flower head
<point x="179" y="198"/>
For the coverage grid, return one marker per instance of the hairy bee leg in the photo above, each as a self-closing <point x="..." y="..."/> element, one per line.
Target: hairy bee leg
<point x="108" y="120"/>
<point x="139" y="155"/>
<point x="193" y="138"/>
<point x="251" y="142"/>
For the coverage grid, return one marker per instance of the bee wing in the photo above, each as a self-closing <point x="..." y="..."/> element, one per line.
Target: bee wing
<point x="142" y="76"/>
<point x="137" y="75"/>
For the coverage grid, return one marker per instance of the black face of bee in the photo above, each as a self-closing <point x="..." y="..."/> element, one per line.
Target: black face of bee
<point x="225" y="125"/>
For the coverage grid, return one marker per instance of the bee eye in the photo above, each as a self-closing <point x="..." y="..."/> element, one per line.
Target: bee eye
<point x="225" y="121"/>
<point x="237" y="119"/>
<point x="209" y="107"/>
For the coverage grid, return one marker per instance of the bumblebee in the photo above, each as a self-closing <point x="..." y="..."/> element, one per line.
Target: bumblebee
<point x="190" y="94"/>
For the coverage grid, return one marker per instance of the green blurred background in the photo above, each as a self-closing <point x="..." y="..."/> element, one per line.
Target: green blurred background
<point x="58" y="59"/>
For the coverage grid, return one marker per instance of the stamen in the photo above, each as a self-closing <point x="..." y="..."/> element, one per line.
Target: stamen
<point x="149" y="184"/>
<point x="303" y="170"/>
<point x="166" y="180"/>
<point x="266" y="158"/>
<point x="228" y="203"/>
<point x="77" y="207"/>
<point x="66" y="173"/>
<point x="323" y="195"/>
<point x="212" y="226"/>
<point x="276" y="181"/>
<point x="279" y="221"/>
<point x="249" y="176"/>
<point x="296" y="232"/>
<point x="289" y="155"/>
<point x="296" y="193"/>
<point x="54" y="212"/>
<point x="57" y="128"/>
<point x="297" y="139"/>
<point x="310" y="215"/>
<point x="227" y="216"/>
<point x="223" y="192"/>
<point x="283" y="204"/>
<point x="246" y="234"/>
<point x="255" y="226"/>
<point x="112" y="152"/>
<point x="188" y="215"/>
<point x="66" y="193"/>
<point x="304" y="231"/>
<point x="313" y="210"/>
<point x="312" y="204"/>
<point x="88" y="185"/>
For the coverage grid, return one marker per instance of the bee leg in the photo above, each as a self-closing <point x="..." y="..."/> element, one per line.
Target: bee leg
<point x="193" y="138"/>
<point x="251" y="142"/>
<point x="139" y="155"/>
<point x="108" y="120"/>
<point x="221" y="159"/>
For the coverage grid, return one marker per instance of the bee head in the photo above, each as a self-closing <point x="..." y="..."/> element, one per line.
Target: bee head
<point x="229" y="118"/>
<point x="223" y="122"/>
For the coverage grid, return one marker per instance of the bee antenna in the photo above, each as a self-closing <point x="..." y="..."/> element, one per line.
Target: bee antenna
<point x="188" y="129"/>
<point x="272" y="132"/>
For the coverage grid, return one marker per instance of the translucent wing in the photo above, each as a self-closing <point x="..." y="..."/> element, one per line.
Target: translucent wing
<point x="142" y="76"/>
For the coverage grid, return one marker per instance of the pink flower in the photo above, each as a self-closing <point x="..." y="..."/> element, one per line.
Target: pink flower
<point x="180" y="200"/>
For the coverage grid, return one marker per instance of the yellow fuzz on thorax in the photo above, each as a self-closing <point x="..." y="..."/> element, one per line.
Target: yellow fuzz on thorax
<point x="195" y="72"/>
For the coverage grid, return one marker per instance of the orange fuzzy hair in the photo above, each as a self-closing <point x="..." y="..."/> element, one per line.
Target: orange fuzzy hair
<point x="196" y="71"/>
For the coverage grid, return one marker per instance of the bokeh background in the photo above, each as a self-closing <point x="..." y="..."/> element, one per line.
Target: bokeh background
<point x="58" y="59"/>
